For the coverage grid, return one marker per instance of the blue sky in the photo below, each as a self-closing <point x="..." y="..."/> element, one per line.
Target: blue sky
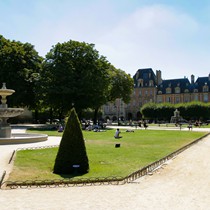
<point x="168" y="35"/>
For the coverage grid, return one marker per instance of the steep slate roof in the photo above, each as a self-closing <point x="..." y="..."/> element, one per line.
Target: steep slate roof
<point x="146" y="74"/>
<point x="173" y="83"/>
<point x="200" y="82"/>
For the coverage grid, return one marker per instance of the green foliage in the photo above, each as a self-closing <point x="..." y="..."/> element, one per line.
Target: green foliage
<point x="195" y="110"/>
<point x="72" y="149"/>
<point x="149" y="111"/>
<point x="121" y="85"/>
<point x="164" y="111"/>
<point x="20" y="67"/>
<point x="74" y="72"/>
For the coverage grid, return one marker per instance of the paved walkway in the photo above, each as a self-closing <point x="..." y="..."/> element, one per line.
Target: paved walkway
<point x="182" y="183"/>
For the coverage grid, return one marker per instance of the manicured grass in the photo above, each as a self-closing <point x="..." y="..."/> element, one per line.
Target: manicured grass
<point x="137" y="150"/>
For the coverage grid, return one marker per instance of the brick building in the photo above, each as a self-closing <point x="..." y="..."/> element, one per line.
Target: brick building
<point x="150" y="87"/>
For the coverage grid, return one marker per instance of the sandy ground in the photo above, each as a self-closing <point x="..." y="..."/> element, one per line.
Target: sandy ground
<point x="182" y="183"/>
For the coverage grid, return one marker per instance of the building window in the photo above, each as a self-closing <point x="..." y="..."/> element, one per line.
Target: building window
<point x="195" y="90"/>
<point x="196" y="97"/>
<point x="177" y="90"/>
<point x="205" y="88"/>
<point x="140" y="93"/>
<point x="177" y="99"/>
<point x="159" y="99"/>
<point x="186" y="99"/>
<point x="151" y="92"/>
<point x="146" y="93"/>
<point x="151" y="83"/>
<point x="205" y="97"/>
<point x="168" y="90"/>
<point x="186" y="91"/>
<point x="159" y="92"/>
<point x="140" y="83"/>
<point x="168" y="99"/>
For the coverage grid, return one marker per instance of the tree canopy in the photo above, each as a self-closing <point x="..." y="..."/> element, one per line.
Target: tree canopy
<point x="20" y="66"/>
<point x="75" y="73"/>
<point x="72" y="74"/>
<point x="121" y="85"/>
<point x="164" y="111"/>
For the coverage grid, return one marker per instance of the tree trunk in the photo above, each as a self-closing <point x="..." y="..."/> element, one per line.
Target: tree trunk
<point x="95" y="115"/>
<point x="36" y="116"/>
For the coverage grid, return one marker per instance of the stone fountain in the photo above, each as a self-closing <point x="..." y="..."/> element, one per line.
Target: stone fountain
<point x="6" y="136"/>
<point x="6" y="113"/>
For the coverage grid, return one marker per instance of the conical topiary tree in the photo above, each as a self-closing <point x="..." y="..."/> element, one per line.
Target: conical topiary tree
<point x="72" y="156"/>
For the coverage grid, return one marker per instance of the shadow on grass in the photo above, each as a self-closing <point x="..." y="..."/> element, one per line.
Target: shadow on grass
<point x="70" y="176"/>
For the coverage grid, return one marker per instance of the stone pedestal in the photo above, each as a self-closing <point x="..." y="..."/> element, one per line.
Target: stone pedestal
<point x="5" y="131"/>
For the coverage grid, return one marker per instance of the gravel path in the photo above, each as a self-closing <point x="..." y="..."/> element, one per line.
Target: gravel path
<point x="181" y="184"/>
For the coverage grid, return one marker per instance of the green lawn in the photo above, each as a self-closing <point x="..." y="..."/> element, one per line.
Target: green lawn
<point x="137" y="150"/>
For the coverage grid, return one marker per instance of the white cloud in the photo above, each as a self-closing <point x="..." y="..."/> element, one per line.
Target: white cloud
<point x="158" y="37"/>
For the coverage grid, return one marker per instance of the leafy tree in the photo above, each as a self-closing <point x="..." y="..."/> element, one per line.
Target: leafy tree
<point x="189" y="111"/>
<point x="162" y="111"/>
<point x="121" y="85"/>
<point x="20" y="66"/>
<point x="149" y="111"/>
<point x="165" y="111"/>
<point x="194" y="110"/>
<point x="74" y="73"/>
<point x="72" y="151"/>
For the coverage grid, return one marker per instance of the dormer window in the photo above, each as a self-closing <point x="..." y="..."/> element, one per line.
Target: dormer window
<point x="186" y="91"/>
<point x="177" y="89"/>
<point x="151" y="83"/>
<point x="205" y="88"/>
<point x="195" y="90"/>
<point x="168" y="90"/>
<point x="140" y="83"/>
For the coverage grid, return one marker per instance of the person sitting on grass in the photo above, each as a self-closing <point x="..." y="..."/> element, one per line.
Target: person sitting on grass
<point x="117" y="134"/>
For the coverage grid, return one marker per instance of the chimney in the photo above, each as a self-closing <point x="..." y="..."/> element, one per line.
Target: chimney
<point x="158" y="77"/>
<point x="192" y="79"/>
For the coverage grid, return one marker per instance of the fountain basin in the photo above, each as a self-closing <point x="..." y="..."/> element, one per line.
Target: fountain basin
<point x="23" y="138"/>
<point x="6" y="92"/>
<point x="10" y="112"/>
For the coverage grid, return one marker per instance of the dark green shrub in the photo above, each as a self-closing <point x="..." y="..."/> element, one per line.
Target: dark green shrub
<point x="72" y="151"/>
